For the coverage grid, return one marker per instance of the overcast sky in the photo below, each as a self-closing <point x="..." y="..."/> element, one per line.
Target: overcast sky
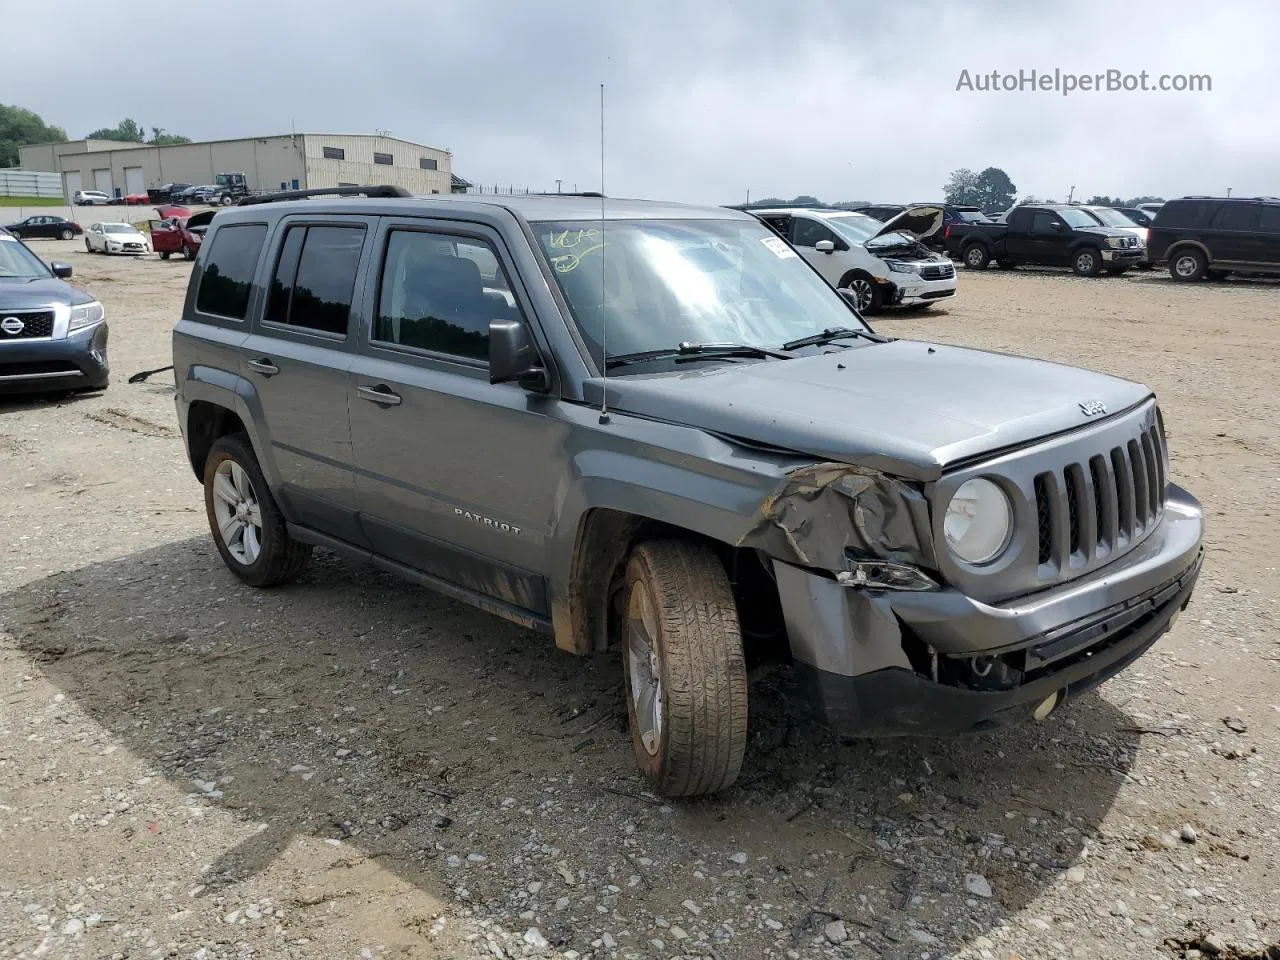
<point x="704" y="101"/>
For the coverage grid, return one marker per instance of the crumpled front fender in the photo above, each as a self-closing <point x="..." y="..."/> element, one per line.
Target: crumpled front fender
<point x="822" y="513"/>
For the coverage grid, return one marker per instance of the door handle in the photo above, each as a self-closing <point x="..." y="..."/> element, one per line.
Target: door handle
<point x="382" y="395"/>
<point x="263" y="366"/>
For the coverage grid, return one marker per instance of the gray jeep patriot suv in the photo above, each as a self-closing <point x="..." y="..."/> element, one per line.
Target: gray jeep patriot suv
<point x="655" y="428"/>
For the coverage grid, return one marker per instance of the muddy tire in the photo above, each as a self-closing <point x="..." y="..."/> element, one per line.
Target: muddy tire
<point x="1188" y="265"/>
<point x="247" y="526"/>
<point x="686" y="678"/>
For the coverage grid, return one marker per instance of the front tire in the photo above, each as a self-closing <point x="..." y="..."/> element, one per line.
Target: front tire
<point x="188" y="253"/>
<point x="164" y="254"/>
<point x="1086" y="262"/>
<point x="1188" y="265"/>
<point x="976" y="257"/>
<point x="686" y="677"/>
<point x="88" y="248"/>
<point x="247" y="526"/>
<point x="865" y="293"/>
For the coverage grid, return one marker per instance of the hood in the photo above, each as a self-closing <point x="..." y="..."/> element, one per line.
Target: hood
<point x="32" y="294"/>
<point x="1102" y="231"/>
<point x="918" y="222"/>
<point x="905" y="408"/>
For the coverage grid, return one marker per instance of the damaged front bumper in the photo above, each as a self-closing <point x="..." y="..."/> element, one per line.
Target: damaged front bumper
<point x="884" y="662"/>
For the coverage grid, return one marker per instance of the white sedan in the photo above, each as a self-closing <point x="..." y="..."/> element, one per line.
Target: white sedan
<point x="116" y="238"/>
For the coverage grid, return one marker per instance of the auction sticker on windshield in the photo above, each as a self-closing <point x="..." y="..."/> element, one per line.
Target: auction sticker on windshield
<point x="779" y="247"/>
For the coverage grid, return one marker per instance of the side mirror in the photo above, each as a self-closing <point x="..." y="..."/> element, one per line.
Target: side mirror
<point x="61" y="270"/>
<point x="1056" y="225"/>
<point x="513" y="357"/>
<point x="824" y="246"/>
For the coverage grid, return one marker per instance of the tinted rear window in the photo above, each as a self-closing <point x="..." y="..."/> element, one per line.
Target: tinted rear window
<point x="1270" y="219"/>
<point x="315" y="278"/>
<point x="1186" y="213"/>
<point x="227" y="280"/>
<point x="1237" y="216"/>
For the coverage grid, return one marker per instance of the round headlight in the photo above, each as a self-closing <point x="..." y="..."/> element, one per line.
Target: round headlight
<point x="979" y="522"/>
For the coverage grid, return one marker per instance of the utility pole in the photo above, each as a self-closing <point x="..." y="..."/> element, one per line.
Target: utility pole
<point x="1071" y="194"/>
<point x="558" y="185"/>
<point x="1228" y="191"/>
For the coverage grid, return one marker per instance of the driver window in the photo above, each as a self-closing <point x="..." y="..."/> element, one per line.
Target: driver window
<point x="440" y="292"/>
<point x="1043" y="222"/>
<point x="807" y="233"/>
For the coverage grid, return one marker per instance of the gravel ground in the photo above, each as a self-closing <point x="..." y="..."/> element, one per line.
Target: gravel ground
<point x="354" y="767"/>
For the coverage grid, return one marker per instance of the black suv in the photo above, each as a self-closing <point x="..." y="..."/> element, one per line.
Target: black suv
<point x="1213" y="237"/>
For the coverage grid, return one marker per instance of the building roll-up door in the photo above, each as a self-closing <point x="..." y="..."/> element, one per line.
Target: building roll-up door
<point x="134" y="181"/>
<point x="75" y="183"/>
<point x="102" y="180"/>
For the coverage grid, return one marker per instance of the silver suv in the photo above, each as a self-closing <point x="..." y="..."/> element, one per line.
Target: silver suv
<point x="655" y="429"/>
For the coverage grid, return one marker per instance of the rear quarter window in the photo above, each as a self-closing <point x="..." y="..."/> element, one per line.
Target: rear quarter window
<point x="227" y="280"/>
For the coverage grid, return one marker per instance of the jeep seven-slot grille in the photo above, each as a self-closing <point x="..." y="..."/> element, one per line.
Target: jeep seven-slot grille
<point x="1122" y="497"/>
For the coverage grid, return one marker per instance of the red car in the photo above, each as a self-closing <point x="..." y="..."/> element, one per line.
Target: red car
<point x="179" y="233"/>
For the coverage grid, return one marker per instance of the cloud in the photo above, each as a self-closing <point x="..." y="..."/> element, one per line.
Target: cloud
<point x="703" y="101"/>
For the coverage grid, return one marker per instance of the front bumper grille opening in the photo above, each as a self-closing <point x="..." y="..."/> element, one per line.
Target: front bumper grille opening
<point x="1044" y="518"/>
<point x="36" y="325"/>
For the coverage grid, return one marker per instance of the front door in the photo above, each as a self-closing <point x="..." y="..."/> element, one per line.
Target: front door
<point x="806" y="232"/>
<point x="297" y="357"/>
<point x="457" y="477"/>
<point x="1049" y="240"/>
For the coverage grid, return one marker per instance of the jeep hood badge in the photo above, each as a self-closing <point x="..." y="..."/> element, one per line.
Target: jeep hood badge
<point x="1092" y="408"/>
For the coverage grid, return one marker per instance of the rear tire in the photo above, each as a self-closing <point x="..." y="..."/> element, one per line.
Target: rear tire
<point x="188" y="253"/>
<point x="976" y="257"/>
<point x="686" y="677"/>
<point x="1087" y="262"/>
<point x="247" y="526"/>
<point x="164" y="254"/>
<point x="67" y="235"/>
<point x="1188" y="265"/>
<point x="87" y="247"/>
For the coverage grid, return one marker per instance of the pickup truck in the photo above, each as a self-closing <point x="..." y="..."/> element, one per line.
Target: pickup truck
<point x="1056" y="235"/>
<point x="700" y="458"/>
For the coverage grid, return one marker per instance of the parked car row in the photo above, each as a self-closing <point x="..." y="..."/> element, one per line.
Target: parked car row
<point x="1194" y="237"/>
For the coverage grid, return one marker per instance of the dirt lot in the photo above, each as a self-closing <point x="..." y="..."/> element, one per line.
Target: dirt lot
<point x="354" y="767"/>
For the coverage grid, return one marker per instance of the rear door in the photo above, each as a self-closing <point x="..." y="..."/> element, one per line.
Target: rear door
<point x="1234" y="235"/>
<point x="297" y="356"/>
<point x="457" y="477"/>
<point x="1269" y="232"/>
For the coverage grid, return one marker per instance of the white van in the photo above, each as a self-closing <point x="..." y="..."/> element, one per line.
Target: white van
<point x="881" y="264"/>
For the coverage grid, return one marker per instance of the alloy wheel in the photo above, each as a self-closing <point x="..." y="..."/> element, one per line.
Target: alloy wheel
<point x="238" y="512"/>
<point x="642" y="660"/>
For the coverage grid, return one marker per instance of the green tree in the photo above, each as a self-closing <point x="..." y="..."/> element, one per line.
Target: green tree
<point x="1101" y="200"/>
<point x="994" y="189"/>
<point x="20" y="127"/>
<point x="162" y="139"/>
<point x="962" y="187"/>
<point x="126" y="131"/>
<point x="1137" y="200"/>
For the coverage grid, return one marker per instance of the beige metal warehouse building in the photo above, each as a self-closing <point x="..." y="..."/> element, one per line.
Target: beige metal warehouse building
<point x="292" y="161"/>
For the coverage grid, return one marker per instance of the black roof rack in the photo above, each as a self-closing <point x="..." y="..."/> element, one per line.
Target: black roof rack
<point x="382" y="190"/>
<point x="585" y="193"/>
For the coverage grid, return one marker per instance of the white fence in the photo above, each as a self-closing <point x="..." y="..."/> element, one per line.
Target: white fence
<point x="29" y="183"/>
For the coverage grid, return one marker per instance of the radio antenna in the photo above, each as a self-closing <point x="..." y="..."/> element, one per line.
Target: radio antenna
<point x="604" y="314"/>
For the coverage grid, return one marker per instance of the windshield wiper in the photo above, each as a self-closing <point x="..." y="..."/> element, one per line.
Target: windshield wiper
<point x="826" y="336"/>
<point x="709" y="351"/>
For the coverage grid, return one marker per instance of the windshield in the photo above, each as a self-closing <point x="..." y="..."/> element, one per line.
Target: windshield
<point x="1112" y="218"/>
<point x="663" y="282"/>
<point x="117" y="228"/>
<point x="17" y="262"/>
<point x="856" y="227"/>
<point x="1077" y="218"/>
